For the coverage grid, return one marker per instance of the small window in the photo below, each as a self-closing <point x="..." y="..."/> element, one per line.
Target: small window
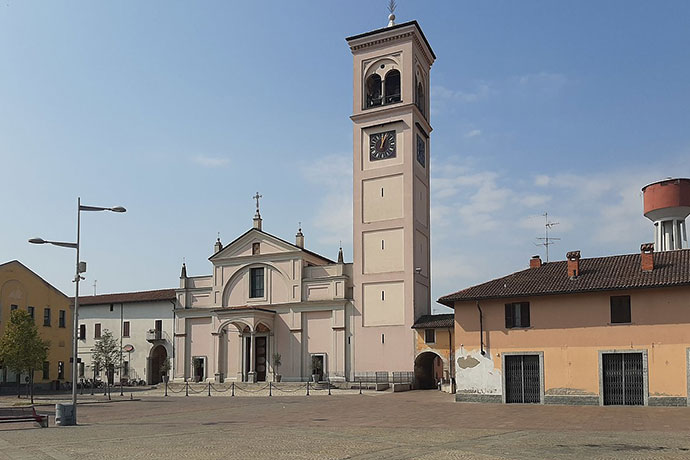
<point x="125" y="329"/>
<point x="61" y="318"/>
<point x="61" y="370"/>
<point x="96" y="370"/>
<point x="46" y="370"/>
<point x="256" y="248"/>
<point x="430" y="336"/>
<point x="620" y="309"/>
<point x="13" y="307"/>
<point x="517" y="315"/>
<point x="256" y="281"/>
<point x="392" y="86"/>
<point x="112" y="306"/>
<point x="31" y="311"/>
<point x="97" y="331"/>
<point x="46" y="316"/>
<point x="82" y="332"/>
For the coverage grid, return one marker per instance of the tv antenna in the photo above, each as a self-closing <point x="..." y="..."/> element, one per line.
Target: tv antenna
<point x="94" y="286"/>
<point x="547" y="240"/>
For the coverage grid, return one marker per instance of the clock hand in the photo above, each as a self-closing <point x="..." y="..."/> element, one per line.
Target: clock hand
<point x="383" y="140"/>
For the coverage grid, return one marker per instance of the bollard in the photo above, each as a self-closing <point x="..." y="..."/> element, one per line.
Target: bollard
<point x="270" y="389"/>
<point x="131" y="396"/>
<point x="307" y="387"/>
<point x="233" y="389"/>
<point x="360" y="387"/>
<point x="81" y="388"/>
<point x="166" y="389"/>
<point x="209" y="388"/>
<point x="186" y="388"/>
<point x="121" y="393"/>
<point x="329" y="387"/>
<point x="91" y="388"/>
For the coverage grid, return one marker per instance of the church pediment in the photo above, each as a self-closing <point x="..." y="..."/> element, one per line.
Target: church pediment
<point x="252" y="243"/>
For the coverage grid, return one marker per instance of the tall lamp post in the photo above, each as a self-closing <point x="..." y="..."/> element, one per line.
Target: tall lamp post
<point x="80" y="268"/>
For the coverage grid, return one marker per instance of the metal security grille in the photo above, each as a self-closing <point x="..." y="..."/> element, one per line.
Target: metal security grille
<point x="623" y="377"/>
<point x="523" y="382"/>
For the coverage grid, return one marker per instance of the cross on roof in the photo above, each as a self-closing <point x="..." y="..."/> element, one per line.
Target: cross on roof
<point x="256" y="197"/>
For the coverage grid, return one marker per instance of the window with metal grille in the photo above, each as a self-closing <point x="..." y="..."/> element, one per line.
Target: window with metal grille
<point x="46" y="316"/>
<point x="620" y="309"/>
<point x="61" y="318"/>
<point x="522" y="379"/>
<point x="125" y="329"/>
<point x="97" y="331"/>
<point x="256" y="282"/>
<point x="517" y="314"/>
<point x="82" y="332"/>
<point x="31" y="311"/>
<point x="46" y="370"/>
<point x="13" y="307"/>
<point x="430" y="336"/>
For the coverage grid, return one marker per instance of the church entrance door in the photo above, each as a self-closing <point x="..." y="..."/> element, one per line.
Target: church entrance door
<point x="261" y="343"/>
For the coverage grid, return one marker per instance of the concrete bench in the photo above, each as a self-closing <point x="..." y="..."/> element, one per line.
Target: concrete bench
<point x="22" y="414"/>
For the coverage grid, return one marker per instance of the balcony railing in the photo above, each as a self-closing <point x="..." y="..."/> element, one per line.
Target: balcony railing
<point x="153" y="335"/>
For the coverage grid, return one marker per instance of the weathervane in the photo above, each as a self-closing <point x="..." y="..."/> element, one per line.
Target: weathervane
<point x="391" y="16"/>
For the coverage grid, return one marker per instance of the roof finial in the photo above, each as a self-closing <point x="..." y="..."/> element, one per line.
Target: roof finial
<point x="256" y="197"/>
<point x="391" y="16"/>
<point x="340" y="253"/>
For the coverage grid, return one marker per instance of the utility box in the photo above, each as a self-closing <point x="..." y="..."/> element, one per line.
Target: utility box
<point x="64" y="414"/>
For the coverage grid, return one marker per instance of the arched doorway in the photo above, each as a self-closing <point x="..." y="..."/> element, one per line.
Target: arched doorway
<point x="157" y="357"/>
<point x="428" y="370"/>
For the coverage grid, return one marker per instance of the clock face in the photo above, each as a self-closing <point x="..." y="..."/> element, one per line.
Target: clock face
<point x="421" y="151"/>
<point x="382" y="146"/>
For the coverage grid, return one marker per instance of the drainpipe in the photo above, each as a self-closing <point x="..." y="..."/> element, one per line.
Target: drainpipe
<point x="173" y="338"/>
<point x="481" y="329"/>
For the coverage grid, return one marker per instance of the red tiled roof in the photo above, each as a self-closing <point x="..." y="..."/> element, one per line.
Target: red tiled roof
<point x="127" y="297"/>
<point x="671" y="268"/>
<point x="445" y="320"/>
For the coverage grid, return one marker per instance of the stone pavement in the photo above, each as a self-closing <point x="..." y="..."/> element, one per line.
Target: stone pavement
<point x="412" y="425"/>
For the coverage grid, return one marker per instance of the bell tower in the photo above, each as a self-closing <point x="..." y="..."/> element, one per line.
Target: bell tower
<point x="391" y="271"/>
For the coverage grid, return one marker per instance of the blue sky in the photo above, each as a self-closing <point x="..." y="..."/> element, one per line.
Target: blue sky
<point x="181" y="111"/>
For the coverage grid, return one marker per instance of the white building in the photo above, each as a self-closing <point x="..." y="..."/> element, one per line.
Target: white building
<point x="143" y="324"/>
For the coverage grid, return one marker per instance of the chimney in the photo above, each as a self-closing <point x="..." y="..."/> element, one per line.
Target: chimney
<point x="535" y="262"/>
<point x="299" y="238"/>
<point x="573" y="264"/>
<point x="647" y="256"/>
<point x="218" y="246"/>
<point x="257" y="221"/>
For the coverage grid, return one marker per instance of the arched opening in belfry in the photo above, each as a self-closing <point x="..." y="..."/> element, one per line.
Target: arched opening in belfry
<point x="373" y="88"/>
<point x="420" y="97"/>
<point x="428" y="370"/>
<point x="392" y="83"/>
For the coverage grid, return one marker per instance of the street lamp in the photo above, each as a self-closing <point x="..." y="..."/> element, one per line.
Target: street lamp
<point x="81" y="268"/>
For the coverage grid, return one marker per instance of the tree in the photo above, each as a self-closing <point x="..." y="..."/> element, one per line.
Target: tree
<point x="21" y="348"/>
<point x="105" y="354"/>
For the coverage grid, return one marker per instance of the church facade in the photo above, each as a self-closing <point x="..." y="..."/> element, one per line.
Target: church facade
<point x="267" y="298"/>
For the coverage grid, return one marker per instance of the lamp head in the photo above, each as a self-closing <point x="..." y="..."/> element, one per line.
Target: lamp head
<point x="37" y="241"/>
<point x="118" y="209"/>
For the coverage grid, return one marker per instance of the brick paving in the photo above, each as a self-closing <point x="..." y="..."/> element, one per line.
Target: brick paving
<point x="412" y="425"/>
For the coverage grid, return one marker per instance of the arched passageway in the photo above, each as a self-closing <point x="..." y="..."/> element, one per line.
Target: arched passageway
<point x="428" y="370"/>
<point x="156" y="359"/>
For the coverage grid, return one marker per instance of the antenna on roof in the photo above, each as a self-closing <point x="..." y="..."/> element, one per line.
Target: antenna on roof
<point x="391" y="17"/>
<point x="547" y="240"/>
<point x="94" y="286"/>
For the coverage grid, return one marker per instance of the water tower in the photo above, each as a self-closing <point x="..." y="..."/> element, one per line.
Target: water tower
<point x="667" y="204"/>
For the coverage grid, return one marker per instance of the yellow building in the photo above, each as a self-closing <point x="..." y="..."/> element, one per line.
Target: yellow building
<point x="21" y="288"/>
<point x="433" y="362"/>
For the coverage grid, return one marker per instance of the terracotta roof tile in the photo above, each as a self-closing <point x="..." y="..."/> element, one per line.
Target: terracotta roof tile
<point x="127" y="297"/>
<point x="671" y="268"/>
<point x="445" y="320"/>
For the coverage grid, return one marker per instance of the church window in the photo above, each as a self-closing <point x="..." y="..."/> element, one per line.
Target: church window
<point x="381" y="192"/>
<point x="392" y="87"/>
<point x="256" y="283"/>
<point x="383" y="246"/>
<point x="383" y="338"/>
<point x="383" y="295"/>
<point x="256" y="248"/>
<point x="373" y="88"/>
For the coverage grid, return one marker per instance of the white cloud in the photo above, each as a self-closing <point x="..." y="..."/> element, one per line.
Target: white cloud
<point x="473" y="133"/>
<point x="542" y="180"/>
<point x="210" y="162"/>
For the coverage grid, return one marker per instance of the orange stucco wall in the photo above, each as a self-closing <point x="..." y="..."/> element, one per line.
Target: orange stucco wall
<point x="570" y="331"/>
<point x="442" y="347"/>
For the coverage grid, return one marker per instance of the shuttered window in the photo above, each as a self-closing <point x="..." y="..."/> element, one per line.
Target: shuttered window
<point x="620" y="309"/>
<point x="517" y="314"/>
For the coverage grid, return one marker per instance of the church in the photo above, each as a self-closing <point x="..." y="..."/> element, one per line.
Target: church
<point x="271" y="307"/>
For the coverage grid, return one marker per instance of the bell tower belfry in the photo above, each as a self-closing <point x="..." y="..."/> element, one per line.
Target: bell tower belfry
<point x="391" y="271"/>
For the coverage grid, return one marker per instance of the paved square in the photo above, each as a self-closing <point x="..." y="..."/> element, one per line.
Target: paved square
<point x="418" y="424"/>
